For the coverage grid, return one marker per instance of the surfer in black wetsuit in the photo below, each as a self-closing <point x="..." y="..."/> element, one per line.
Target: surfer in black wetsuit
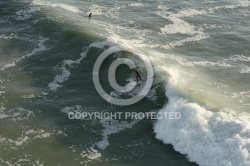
<point x="138" y="76"/>
<point x="90" y="15"/>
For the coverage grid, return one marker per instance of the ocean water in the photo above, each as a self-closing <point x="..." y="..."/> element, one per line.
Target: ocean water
<point x="200" y="53"/>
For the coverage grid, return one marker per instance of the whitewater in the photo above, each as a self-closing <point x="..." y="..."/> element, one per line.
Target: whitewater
<point x="201" y="59"/>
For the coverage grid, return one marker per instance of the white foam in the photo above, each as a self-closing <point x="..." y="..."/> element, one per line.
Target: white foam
<point x="208" y="138"/>
<point x="197" y="37"/>
<point x="27" y="137"/>
<point x="32" y="134"/>
<point x="22" y="159"/>
<point x="242" y="94"/>
<point x="240" y="58"/>
<point x="136" y="4"/>
<point x="20" y="141"/>
<point x="2" y="21"/>
<point x="101" y="44"/>
<point x="40" y="48"/>
<point x="2" y="92"/>
<point x="28" y="96"/>
<point x="193" y="63"/>
<point x="111" y="127"/>
<point x="76" y="108"/>
<point x="68" y="64"/>
<point x="244" y="69"/>
<point x="26" y="14"/>
<point x="162" y="7"/>
<point x="28" y="134"/>
<point x="115" y="94"/>
<point x="183" y="27"/>
<point x="98" y="9"/>
<point x="220" y="63"/>
<point x="193" y="12"/>
<point x="179" y="26"/>
<point x="108" y="11"/>
<point x="15" y="114"/>
<point x="216" y="26"/>
<point x="91" y="154"/>
<point x="8" y="36"/>
<point x="134" y="89"/>
<point x="62" y="77"/>
<point x="6" y="66"/>
<point x="139" y="42"/>
<point x="190" y="12"/>
<point x="152" y="95"/>
<point x="70" y="8"/>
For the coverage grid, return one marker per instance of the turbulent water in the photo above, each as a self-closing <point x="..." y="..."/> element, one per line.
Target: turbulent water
<point x="201" y="58"/>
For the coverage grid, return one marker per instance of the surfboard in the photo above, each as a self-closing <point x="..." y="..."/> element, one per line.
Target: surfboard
<point x="139" y="82"/>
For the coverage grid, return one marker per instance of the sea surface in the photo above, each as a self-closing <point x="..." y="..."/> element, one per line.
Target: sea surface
<point x="200" y="52"/>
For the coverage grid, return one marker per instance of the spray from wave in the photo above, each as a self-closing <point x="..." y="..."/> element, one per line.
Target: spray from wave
<point x="208" y="138"/>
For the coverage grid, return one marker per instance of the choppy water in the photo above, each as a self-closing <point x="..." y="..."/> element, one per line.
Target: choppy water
<point x="201" y="57"/>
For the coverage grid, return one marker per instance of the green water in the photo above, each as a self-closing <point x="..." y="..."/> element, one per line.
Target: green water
<point x="47" y="53"/>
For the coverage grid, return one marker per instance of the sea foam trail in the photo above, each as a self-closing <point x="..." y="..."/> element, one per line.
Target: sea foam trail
<point x="38" y="49"/>
<point x="68" y="64"/>
<point x="110" y="127"/>
<point x="26" y="14"/>
<point x="208" y="138"/>
<point x="70" y="8"/>
<point x="197" y="33"/>
<point x="113" y="127"/>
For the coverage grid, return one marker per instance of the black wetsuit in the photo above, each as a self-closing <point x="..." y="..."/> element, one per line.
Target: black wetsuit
<point x="138" y="76"/>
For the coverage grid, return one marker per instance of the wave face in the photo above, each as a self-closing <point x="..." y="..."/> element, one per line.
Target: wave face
<point x="47" y="52"/>
<point x="208" y="138"/>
